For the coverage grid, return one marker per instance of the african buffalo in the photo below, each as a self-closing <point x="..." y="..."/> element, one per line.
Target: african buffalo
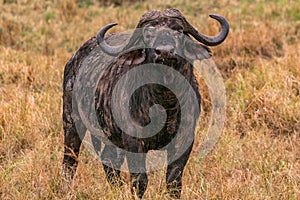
<point x="161" y="38"/>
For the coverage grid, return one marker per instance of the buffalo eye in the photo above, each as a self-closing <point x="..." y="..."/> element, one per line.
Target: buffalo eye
<point x="178" y="28"/>
<point x="175" y="26"/>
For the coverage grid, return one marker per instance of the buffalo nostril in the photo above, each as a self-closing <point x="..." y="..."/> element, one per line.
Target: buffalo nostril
<point x="158" y="52"/>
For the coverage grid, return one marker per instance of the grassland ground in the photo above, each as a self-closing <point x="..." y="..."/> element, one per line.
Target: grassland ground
<point x="258" y="155"/>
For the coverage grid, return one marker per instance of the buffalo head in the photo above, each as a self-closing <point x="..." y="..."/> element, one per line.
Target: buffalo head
<point x="167" y="33"/>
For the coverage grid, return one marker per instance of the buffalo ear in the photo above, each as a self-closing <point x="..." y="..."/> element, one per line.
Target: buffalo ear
<point x="195" y="51"/>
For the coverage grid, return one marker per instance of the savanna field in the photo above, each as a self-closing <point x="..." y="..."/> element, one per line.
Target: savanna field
<point x="258" y="154"/>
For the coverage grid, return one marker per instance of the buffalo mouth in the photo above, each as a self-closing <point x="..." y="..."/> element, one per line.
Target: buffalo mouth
<point x="170" y="61"/>
<point x="167" y="58"/>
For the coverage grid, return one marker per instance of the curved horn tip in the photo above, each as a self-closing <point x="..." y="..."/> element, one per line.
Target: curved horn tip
<point x="101" y="33"/>
<point x="112" y="24"/>
<point x="107" y="27"/>
<point x="215" y="16"/>
<point x="219" y="18"/>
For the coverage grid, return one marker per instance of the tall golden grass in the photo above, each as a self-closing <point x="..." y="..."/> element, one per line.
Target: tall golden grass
<point x="258" y="155"/>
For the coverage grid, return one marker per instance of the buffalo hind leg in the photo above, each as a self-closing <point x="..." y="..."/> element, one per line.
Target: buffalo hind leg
<point x="175" y="172"/>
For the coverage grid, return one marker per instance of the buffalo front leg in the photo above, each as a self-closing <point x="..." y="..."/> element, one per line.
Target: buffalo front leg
<point x="112" y="159"/>
<point x="175" y="172"/>
<point x="72" y="143"/>
<point x="136" y="165"/>
<point x="138" y="176"/>
<point x="72" y="140"/>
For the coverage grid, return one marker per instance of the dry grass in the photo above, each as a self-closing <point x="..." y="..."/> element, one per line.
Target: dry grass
<point x="258" y="155"/>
